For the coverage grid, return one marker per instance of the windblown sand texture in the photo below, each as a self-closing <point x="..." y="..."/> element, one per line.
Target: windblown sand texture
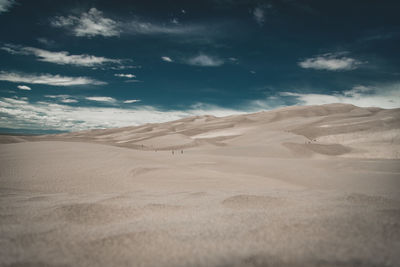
<point x="298" y="186"/>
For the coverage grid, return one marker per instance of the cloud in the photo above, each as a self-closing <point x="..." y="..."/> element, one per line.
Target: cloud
<point x="153" y="28"/>
<point x="45" y="41"/>
<point x="5" y="5"/>
<point x="24" y="87"/>
<point x="330" y="61"/>
<point x="68" y="100"/>
<point x="133" y="81"/>
<point x="45" y="115"/>
<point x="124" y="67"/>
<point x="57" y="96"/>
<point x="88" y="24"/>
<point x="130" y="101"/>
<point x="93" y="23"/>
<point x="62" y="57"/>
<point x="122" y="75"/>
<point x="205" y="61"/>
<point x="381" y="95"/>
<point x="167" y="59"/>
<point x="48" y="79"/>
<point x="258" y="15"/>
<point x="63" y="98"/>
<point x="106" y="99"/>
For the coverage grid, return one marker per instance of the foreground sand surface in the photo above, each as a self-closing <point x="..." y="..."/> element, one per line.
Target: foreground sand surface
<point x="299" y="186"/>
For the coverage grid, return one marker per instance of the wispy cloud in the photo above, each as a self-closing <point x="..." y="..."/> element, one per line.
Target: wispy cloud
<point x="69" y="100"/>
<point x="106" y="99"/>
<point x="46" y="42"/>
<point x="152" y="28"/>
<point x="5" y="5"/>
<point x="61" y="57"/>
<point x="330" y="61"/>
<point x="94" y="23"/>
<point x="167" y="59"/>
<point x="24" y="87"/>
<point x="380" y="95"/>
<point x="57" y="96"/>
<point x="130" y="101"/>
<point x="127" y="75"/>
<point x="88" y="24"/>
<point x="258" y="15"/>
<point x="205" y="61"/>
<point x="56" y="80"/>
<point x="63" y="98"/>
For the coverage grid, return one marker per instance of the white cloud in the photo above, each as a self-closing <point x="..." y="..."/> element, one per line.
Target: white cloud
<point x="88" y="24"/>
<point x="130" y="101"/>
<point x="12" y="101"/>
<point x="44" y="115"/>
<point x="167" y="59"/>
<point x="383" y="96"/>
<point x="5" y="5"/>
<point x="24" y="87"/>
<point x="122" y="75"/>
<point x="68" y="100"/>
<point x="61" y="57"/>
<point x="106" y="99"/>
<point x="205" y="61"/>
<point x="57" y="96"/>
<point x="330" y="61"/>
<point x="258" y="14"/>
<point x="49" y="79"/>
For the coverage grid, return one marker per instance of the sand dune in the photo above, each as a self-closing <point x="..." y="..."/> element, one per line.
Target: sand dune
<point x="298" y="186"/>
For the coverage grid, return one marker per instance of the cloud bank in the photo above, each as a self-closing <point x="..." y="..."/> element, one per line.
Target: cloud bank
<point x="50" y="116"/>
<point x="383" y="96"/>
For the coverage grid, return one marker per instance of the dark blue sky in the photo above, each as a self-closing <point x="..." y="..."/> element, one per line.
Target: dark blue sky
<point x="72" y="65"/>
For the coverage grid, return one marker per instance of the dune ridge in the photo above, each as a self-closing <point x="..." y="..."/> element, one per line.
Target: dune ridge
<point x="332" y="129"/>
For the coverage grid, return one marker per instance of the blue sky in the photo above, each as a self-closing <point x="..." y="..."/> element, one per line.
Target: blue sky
<point x="75" y="65"/>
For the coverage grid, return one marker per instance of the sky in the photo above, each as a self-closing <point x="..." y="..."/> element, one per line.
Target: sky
<point x="77" y="65"/>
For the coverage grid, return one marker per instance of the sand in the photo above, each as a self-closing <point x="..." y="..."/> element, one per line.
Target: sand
<point x="298" y="186"/>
